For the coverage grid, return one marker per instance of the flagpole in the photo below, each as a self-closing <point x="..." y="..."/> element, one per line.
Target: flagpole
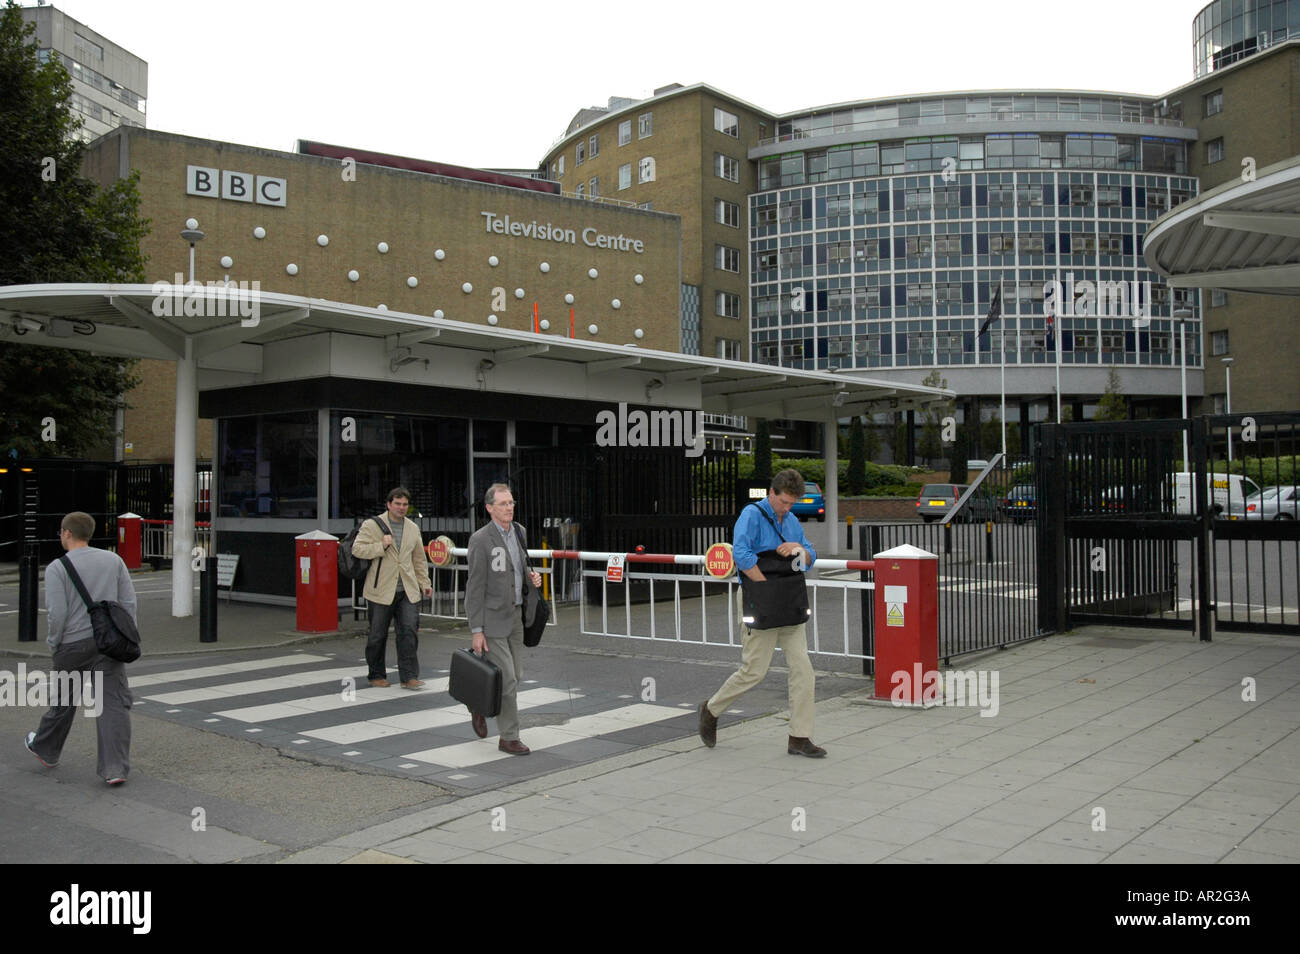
<point x="1056" y="345"/>
<point x="1002" y="346"/>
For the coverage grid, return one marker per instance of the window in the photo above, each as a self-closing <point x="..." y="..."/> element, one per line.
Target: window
<point x="1108" y="196"/>
<point x="767" y="260"/>
<point x="1218" y="342"/>
<point x="727" y="213"/>
<point x="1214" y="150"/>
<point x="1214" y="102"/>
<point x="624" y="176"/>
<point x="1220" y="403"/>
<point x="726" y="123"/>
<point x="727" y="259"/>
<point x="728" y="305"/>
<point x="764" y="216"/>
<point x="593" y="145"/>
<point x="724" y="167"/>
<point x="645" y="170"/>
<point x="593" y="187"/>
<point x="728" y="350"/>
<point x="625" y="132"/>
<point x="581" y="153"/>
<point x="1218" y="298"/>
<point x="645" y="125"/>
<point x="581" y="190"/>
<point x="561" y="164"/>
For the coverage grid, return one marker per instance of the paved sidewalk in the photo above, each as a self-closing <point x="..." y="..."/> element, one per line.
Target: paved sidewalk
<point x="1116" y="745"/>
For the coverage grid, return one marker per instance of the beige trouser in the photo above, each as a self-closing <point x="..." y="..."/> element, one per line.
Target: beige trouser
<point x="757" y="646"/>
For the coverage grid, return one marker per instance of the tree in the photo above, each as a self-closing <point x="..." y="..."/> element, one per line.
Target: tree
<point x="871" y="443"/>
<point x="763" y="450"/>
<point x="1113" y="406"/>
<point x="857" y="458"/>
<point x="56" y="226"/>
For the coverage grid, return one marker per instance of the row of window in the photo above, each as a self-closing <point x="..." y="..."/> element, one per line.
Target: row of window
<point x="995" y="195"/>
<point x="951" y="154"/>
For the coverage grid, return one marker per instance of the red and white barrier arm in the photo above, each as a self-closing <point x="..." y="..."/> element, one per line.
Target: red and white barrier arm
<point x="679" y="559"/>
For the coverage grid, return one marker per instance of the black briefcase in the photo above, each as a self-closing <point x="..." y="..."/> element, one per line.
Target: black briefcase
<point x="476" y="682"/>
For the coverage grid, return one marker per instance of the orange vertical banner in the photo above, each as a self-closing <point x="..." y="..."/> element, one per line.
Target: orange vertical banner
<point x="536" y="326"/>
<point x="570" y="322"/>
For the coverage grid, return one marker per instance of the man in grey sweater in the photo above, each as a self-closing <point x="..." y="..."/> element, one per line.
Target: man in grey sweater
<point x="72" y="641"/>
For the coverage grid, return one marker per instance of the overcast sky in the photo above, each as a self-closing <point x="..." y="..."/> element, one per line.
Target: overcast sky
<point x="495" y="83"/>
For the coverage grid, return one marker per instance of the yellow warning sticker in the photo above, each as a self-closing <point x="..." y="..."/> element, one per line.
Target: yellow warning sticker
<point x="894" y="614"/>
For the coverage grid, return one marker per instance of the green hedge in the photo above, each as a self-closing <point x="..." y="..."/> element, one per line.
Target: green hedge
<point x="881" y="480"/>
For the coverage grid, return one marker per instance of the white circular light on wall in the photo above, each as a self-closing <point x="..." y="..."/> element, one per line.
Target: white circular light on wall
<point x="519" y="293"/>
<point x="227" y="261"/>
<point x="639" y="333"/>
<point x="383" y="248"/>
<point x="592" y="329"/>
<point x="191" y="223"/>
<point x="437" y="312"/>
<point x="322" y="240"/>
<point x="493" y="261"/>
<point x="545" y="324"/>
<point x="439" y="254"/>
<point x="638" y="279"/>
<point x="381" y="307"/>
<point x="259" y="233"/>
<point x="568" y="299"/>
<point x="412" y="282"/>
<point x="354" y="275"/>
<point x="467" y="288"/>
<point x="617" y="304"/>
<point x="545" y="267"/>
<point x="592" y="273"/>
<point x="291" y="268"/>
<point x="492" y="319"/>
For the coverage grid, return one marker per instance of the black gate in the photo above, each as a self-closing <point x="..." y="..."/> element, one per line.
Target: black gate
<point x="1147" y="523"/>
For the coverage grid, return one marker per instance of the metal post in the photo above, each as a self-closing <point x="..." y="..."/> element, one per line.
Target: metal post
<point x="988" y="542"/>
<point x="849" y="521"/>
<point x="183" y="480"/>
<point x="868" y="547"/>
<point x="29" y="593"/>
<point x="208" y="601"/>
<point x="1227" y="406"/>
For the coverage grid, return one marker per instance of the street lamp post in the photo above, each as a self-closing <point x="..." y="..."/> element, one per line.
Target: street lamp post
<point x="1227" y="403"/>
<point x="1182" y="314"/>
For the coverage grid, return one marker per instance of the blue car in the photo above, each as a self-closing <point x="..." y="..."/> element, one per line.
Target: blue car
<point x="811" y="504"/>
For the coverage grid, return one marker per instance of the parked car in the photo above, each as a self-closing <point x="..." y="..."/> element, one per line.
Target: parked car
<point x="936" y="501"/>
<point x="1272" y="503"/>
<point x="1021" y="503"/>
<point x="811" y="504"/>
<point x="1227" y="493"/>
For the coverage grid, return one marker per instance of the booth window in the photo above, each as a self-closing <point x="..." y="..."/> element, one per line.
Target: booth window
<point x="268" y="465"/>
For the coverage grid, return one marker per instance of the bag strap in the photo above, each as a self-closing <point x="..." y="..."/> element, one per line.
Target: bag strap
<point x="770" y="521"/>
<point x="76" y="581"/>
<point x="519" y="535"/>
<point x="380" y="560"/>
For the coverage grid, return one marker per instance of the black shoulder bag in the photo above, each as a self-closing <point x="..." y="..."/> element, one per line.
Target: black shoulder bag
<point x="116" y="635"/>
<point x="782" y="598"/>
<point x="533" y="633"/>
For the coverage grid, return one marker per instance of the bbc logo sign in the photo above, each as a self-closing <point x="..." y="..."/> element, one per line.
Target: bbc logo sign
<point x="239" y="186"/>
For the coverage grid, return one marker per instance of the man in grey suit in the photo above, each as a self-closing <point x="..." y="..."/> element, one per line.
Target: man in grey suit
<point x="495" y="594"/>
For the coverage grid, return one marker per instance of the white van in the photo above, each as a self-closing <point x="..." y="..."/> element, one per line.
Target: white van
<point x="1228" y="493"/>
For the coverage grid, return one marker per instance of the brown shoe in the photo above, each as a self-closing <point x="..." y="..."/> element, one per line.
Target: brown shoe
<point x="800" y="746"/>
<point x="379" y="683"/>
<point x="413" y="684"/>
<point x="513" y="746"/>
<point x="479" y="723"/>
<point x="708" y="726"/>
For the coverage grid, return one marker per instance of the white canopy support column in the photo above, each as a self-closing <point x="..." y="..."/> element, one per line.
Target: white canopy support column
<point x="831" y="488"/>
<point x="187" y="413"/>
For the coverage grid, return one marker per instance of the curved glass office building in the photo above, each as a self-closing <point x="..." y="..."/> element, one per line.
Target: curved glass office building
<point x="1227" y="30"/>
<point x="881" y="230"/>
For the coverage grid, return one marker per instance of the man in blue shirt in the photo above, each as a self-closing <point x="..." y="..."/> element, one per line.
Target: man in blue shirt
<point x="769" y="525"/>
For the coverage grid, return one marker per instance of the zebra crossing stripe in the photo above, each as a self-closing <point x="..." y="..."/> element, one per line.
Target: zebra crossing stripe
<point x="330" y="702"/>
<point x="581" y="729"/>
<point x="292" y="681"/>
<point x="226" y="669"/>
<point x="422" y="720"/>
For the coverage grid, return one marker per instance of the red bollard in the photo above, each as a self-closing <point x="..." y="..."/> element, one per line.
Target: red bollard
<point x="317" y="573"/>
<point x="906" y="624"/>
<point x="130" y="540"/>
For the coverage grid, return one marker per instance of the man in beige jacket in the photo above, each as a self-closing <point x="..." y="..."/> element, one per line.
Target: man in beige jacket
<point x="396" y="552"/>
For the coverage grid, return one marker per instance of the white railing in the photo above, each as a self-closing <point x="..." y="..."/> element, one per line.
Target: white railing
<point x="158" y="538"/>
<point x="666" y="615"/>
